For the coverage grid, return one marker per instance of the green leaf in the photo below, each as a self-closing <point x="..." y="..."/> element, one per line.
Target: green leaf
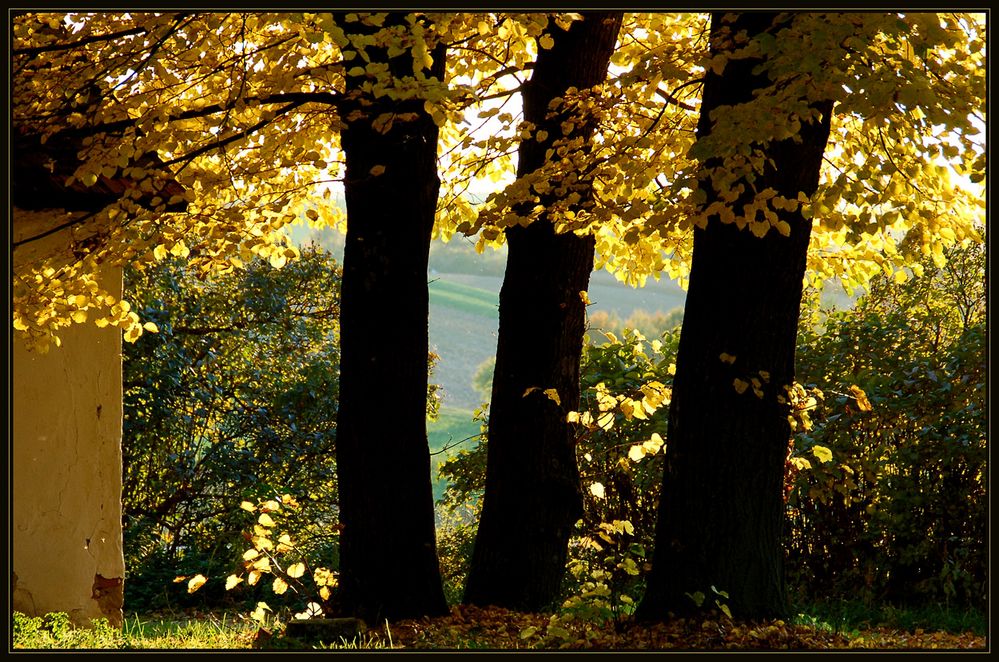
<point x="724" y="608"/>
<point x="697" y="597"/>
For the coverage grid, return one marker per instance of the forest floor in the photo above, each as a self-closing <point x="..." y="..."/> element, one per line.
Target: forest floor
<point x="469" y="627"/>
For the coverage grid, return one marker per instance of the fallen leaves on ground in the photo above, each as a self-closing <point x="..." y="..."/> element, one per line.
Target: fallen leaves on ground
<point x="494" y="628"/>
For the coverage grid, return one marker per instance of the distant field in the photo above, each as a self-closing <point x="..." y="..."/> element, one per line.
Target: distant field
<point x="447" y="435"/>
<point x="464" y="318"/>
<point x="467" y="298"/>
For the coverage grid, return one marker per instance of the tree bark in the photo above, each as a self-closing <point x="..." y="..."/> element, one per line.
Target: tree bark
<point x="388" y="556"/>
<point x="532" y="496"/>
<point x="721" y="510"/>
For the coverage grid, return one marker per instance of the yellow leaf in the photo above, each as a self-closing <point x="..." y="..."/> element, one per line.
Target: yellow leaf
<point x="377" y="170"/>
<point x="546" y="42"/>
<point x="725" y="357"/>
<point x="250" y="554"/>
<point x="180" y="249"/>
<point x="823" y="453"/>
<point x="246" y="505"/>
<point x="232" y="581"/>
<point x="636" y="453"/>
<point x="296" y="570"/>
<point x="801" y="463"/>
<point x="553" y="396"/>
<point x="606" y="420"/>
<point x="597" y="490"/>
<point x="312" y="214"/>
<point x="262" y="564"/>
<point x="79" y="316"/>
<point x="740" y="386"/>
<point x="196" y="582"/>
<point x="324" y="593"/>
<point x="133" y="333"/>
<point x="253" y="577"/>
<point x="862" y="402"/>
<point x="265" y="520"/>
<point x="279" y="586"/>
<point x="259" y="613"/>
<point x="150" y="327"/>
<point x="584" y="297"/>
<point x="284" y="543"/>
<point x="653" y="445"/>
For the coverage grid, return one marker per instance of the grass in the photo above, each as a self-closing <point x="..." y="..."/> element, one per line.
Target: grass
<point x="212" y="632"/>
<point x="852" y="617"/>
<point x="819" y="626"/>
<point x="463" y="297"/>
<point x="228" y="632"/>
<point x="453" y="430"/>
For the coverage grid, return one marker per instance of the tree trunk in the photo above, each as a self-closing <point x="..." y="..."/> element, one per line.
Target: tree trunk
<point x="388" y="556"/>
<point x="532" y="496"/>
<point x="721" y="510"/>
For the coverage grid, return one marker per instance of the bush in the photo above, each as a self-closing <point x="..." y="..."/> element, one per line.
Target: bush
<point x="899" y="514"/>
<point x="233" y="399"/>
<point x="621" y="428"/>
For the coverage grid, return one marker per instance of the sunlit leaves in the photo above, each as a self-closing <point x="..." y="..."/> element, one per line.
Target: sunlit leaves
<point x="195" y="583"/>
<point x="861" y="398"/>
<point x="649" y="447"/>
<point x="903" y="176"/>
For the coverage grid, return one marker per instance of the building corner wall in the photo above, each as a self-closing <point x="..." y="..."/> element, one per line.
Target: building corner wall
<point x="67" y="474"/>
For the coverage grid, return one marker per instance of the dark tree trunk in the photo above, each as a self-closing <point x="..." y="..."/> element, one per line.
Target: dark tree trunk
<point x="388" y="555"/>
<point x="532" y="496"/>
<point x="721" y="509"/>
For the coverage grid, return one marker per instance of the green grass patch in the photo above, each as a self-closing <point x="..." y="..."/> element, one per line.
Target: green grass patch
<point x="453" y="430"/>
<point x="852" y="617"/>
<point x="225" y="632"/>
<point x="463" y="297"/>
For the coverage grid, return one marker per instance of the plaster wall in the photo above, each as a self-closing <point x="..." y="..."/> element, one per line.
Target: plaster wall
<point x="67" y="425"/>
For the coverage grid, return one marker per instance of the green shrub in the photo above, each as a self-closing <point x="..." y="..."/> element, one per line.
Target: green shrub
<point x="899" y="515"/>
<point x="621" y="428"/>
<point x="233" y="399"/>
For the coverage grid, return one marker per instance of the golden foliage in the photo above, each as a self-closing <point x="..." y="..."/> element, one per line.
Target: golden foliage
<point x="241" y="111"/>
